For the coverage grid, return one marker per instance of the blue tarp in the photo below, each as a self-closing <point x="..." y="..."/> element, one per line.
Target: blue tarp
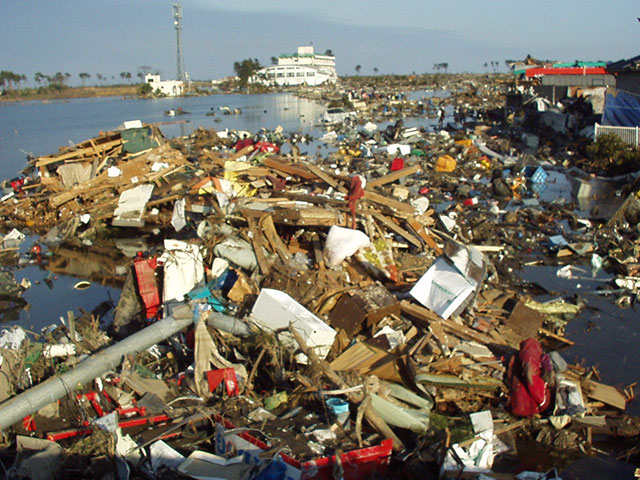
<point x="621" y="109"/>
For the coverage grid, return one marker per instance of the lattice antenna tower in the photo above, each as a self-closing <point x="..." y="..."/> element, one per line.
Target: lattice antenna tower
<point x="177" y="21"/>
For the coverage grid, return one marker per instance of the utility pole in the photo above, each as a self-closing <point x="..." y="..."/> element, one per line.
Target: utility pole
<point x="177" y="21"/>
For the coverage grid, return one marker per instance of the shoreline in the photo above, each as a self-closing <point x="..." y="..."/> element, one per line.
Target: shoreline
<point x="28" y="95"/>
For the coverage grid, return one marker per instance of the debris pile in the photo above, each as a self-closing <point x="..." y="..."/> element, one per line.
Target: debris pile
<point x="308" y="317"/>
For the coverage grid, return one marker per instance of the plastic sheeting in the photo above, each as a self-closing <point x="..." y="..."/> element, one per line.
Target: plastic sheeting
<point x="183" y="269"/>
<point x="138" y="139"/>
<point x="621" y="109"/>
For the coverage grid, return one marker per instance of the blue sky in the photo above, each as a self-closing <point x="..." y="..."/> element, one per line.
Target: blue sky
<point x="109" y="37"/>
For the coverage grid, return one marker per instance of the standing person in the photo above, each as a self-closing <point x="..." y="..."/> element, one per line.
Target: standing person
<point x="441" y="117"/>
<point x="456" y="114"/>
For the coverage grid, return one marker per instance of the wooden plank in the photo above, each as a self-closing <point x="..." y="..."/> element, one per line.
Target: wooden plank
<point x="310" y="216"/>
<point x="289" y="168"/>
<point x="326" y="177"/>
<point x="302" y="217"/>
<point x="257" y="240"/>
<point x="496" y="431"/>
<point x="438" y="333"/>
<point x="549" y="333"/>
<point x="214" y="158"/>
<point x="245" y="151"/>
<point x="269" y="229"/>
<point x="84" y="191"/>
<point x="398" y="229"/>
<point x="396" y="206"/>
<point x="605" y="394"/>
<point x="160" y="201"/>
<point x="393" y="176"/>
<point x="423" y="315"/>
<point x="466" y="333"/>
<point x="80" y="152"/>
<point x="422" y="233"/>
<point x="426" y="317"/>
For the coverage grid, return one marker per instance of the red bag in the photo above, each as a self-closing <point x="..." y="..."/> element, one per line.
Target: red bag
<point x="529" y="393"/>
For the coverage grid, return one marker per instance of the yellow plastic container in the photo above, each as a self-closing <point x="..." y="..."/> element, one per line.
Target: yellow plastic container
<point x="446" y="163"/>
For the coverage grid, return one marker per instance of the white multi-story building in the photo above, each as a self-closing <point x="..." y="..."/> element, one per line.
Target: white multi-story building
<point x="170" y="88"/>
<point x="304" y="67"/>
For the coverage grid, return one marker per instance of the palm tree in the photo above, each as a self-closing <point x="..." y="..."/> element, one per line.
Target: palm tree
<point x="41" y="77"/>
<point x="84" y="76"/>
<point x="375" y="70"/>
<point x="58" y="79"/>
<point x="358" y="68"/>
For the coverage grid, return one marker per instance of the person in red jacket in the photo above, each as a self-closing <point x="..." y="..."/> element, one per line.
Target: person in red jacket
<point x="529" y="392"/>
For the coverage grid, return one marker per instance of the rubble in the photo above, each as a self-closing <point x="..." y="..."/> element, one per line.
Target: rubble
<point x="303" y="317"/>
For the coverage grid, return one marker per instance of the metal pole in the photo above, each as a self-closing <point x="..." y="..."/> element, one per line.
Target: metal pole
<point x="177" y="21"/>
<point x="15" y="409"/>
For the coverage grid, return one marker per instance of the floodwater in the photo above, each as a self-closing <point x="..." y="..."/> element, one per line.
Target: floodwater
<point x="604" y="335"/>
<point x="41" y="128"/>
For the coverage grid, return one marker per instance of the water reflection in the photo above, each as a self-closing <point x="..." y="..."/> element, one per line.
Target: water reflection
<point x="41" y="128"/>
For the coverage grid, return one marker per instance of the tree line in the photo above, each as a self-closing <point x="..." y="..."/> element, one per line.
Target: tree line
<point x="10" y="80"/>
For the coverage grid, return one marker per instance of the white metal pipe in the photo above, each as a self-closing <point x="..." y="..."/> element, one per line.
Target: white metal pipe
<point x="16" y="408"/>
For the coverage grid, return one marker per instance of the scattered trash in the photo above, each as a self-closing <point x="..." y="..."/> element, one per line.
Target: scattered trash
<point x="285" y="315"/>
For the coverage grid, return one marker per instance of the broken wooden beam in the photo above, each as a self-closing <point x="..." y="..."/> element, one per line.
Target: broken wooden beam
<point x="403" y="209"/>
<point x="326" y="177"/>
<point x="291" y="169"/>
<point x="393" y="176"/>
<point x="372" y="417"/>
<point x="398" y="229"/>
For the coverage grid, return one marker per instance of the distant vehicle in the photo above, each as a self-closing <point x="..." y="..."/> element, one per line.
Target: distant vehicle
<point x="338" y="115"/>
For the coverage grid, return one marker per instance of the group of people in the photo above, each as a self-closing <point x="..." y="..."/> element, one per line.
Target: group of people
<point x="460" y="114"/>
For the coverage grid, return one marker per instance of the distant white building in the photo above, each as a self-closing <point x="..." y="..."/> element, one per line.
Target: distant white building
<point x="304" y="67"/>
<point x="170" y="88"/>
